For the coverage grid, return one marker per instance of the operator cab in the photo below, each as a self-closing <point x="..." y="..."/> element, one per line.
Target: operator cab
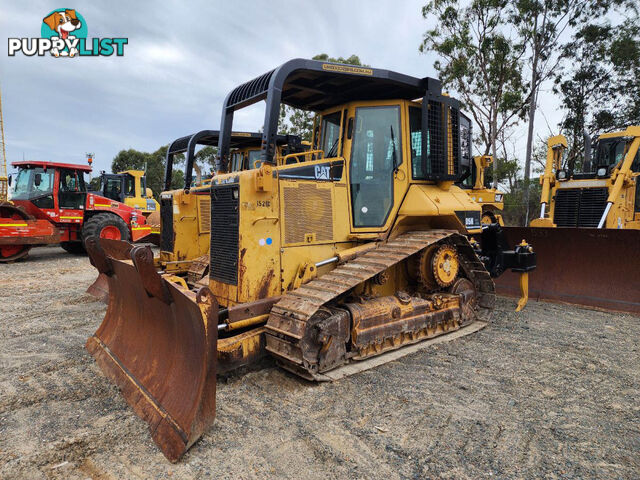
<point x="609" y="153"/>
<point x="118" y="186"/>
<point x="610" y="150"/>
<point x="50" y="185"/>
<point x="382" y="143"/>
<point x="244" y="152"/>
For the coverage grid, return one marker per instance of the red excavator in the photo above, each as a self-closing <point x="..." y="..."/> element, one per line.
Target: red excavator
<point x="50" y="204"/>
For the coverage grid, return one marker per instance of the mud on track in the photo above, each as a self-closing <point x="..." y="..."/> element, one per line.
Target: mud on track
<point x="551" y="392"/>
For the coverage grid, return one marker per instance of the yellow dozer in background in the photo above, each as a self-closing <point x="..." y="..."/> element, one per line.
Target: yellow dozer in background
<point x="357" y="248"/>
<point x="588" y="231"/>
<point x="130" y="187"/>
<point x="491" y="199"/>
<point x="185" y="213"/>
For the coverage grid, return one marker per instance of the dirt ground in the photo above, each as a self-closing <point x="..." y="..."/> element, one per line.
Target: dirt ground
<point x="551" y="392"/>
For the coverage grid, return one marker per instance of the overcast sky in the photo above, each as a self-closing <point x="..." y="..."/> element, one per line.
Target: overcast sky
<point x="183" y="57"/>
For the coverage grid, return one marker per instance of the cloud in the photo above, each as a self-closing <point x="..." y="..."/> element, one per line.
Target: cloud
<point x="181" y="60"/>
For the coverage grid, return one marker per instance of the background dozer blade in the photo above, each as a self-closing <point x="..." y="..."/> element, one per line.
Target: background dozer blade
<point x="595" y="268"/>
<point x="157" y="342"/>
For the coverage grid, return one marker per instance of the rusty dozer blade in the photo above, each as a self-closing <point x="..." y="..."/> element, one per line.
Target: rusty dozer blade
<point x="157" y="342"/>
<point x="590" y="267"/>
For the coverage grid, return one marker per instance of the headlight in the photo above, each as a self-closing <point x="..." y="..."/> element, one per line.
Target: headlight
<point x="562" y="175"/>
<point x="498" y="197"/>
<point x="602" y="171"/>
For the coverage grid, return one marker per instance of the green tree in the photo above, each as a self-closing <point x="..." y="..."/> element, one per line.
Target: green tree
<point x="204" y="162"/>
<point x="153" y="164"/>
<point x="599" y="84"/>
<point x="129" y="160"/>
<point x="300" y="122"/>
<point x="542" y="26"/>
<point x="479" y="61"/>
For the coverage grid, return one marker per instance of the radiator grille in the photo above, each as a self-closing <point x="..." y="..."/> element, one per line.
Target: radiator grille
<point x="224" y="233"/>
<point x="308" y="209"/>
<point x="166" y="228"/>
<point x="579" y="207"/>
<point x="204" y="214"/>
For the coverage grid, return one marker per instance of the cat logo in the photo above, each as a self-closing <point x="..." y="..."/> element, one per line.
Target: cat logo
<point x="322" y="172"/>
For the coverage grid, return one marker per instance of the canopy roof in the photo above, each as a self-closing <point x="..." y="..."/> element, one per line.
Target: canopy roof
<point x="43" y="164"/>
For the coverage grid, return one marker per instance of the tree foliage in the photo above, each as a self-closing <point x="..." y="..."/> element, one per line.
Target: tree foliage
<point x="599" y="82"/>
<point x="480" y="62"/>
<point x="541" y="26"/>
<point x="496" y="55"/>
<point x="153" y="164"/>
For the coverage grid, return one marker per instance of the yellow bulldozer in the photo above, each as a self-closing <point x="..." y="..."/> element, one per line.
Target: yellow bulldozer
<point x="588" y="230"/>
<point x="491" y="199"/>
<point x="604" y="194"/>
<point x="357" y="248"/>
<point x="185" y="213"/>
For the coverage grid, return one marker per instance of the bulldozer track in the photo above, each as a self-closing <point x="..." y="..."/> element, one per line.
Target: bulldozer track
<point x="288" y="318"/>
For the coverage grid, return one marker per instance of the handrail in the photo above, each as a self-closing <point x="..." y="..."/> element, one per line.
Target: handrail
<point x="320" y="153"/>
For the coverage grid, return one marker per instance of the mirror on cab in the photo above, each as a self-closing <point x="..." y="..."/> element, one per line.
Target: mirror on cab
<point x="9" y="179"/>
<point x="37" y="180"/>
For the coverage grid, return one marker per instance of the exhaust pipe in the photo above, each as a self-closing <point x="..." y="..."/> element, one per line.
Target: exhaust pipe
<point x="587" y="151"/>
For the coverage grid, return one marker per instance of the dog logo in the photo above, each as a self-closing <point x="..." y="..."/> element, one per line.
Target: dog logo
<point x="63" y="33"/>
<point x="63" y="23"/>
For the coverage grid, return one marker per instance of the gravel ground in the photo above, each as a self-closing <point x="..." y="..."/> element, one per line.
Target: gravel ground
<point x="551" y="392"/>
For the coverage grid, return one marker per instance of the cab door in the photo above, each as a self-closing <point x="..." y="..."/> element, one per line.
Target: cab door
<point x="377" y="173"/>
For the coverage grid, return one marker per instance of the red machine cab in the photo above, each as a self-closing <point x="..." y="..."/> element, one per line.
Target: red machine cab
<point x="50" y="204"/>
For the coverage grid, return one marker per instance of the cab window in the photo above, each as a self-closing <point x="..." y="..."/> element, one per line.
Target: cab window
<point x="467" y="164"/>
<point x="129" y="186"/>
<point x="635" y="166"/>
<point x="330" y="134"/>
<point x="610" y="152"/>
<point x="419" y="168"/>
<point x="71" y="181"/>
<point x="71" y="190"/>
<point x="236" y="161"/>
<point x="254" y="159"/>
<point x="32" y="183"/>
<point x="112" y="188"/>
<point x="375" y="151"/>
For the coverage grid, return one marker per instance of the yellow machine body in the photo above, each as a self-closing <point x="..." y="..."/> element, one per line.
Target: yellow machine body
<point x="608" y="199"/>
<point x="142" y="200"/>
<point x="287" y="222"/>
<point x="191" y="214"/>
<point x="588" y="229"/>
<point x="490" y="199"/>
